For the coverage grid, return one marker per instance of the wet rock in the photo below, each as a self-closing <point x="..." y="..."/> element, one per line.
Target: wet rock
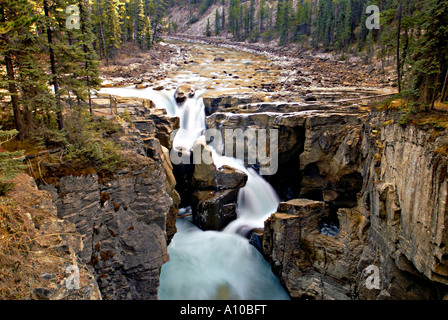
<point x="216" y="192"/>
<point x="204" y="176"/>
<point x="183" y="92"/>
<point x="230" y="178"/>
<point x="214" y="210"/>
<point x="312" y="265"/>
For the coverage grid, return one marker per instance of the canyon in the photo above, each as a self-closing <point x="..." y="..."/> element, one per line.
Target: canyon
<point x="379" y="185"/>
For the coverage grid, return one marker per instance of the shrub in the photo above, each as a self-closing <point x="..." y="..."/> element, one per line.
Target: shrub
<point x="90" y="142"/>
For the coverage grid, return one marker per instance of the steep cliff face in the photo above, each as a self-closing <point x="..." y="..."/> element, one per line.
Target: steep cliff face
<point x="128" y="220"/>
<point x="40" y="252"/>
<point x="392" y="213"/>
<point x="405" y="197"/>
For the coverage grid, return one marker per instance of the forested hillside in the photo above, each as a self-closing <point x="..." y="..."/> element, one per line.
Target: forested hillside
<point x="411" y="37"/>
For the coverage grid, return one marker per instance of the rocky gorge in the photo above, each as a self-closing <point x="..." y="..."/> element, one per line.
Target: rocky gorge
<point x="379" y="184"/>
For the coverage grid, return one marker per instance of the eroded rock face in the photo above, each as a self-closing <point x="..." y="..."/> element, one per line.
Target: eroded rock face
<point x="405" y="198"/>
<point x="310" y="264"/>
<point x="126" y="221"/>
<point x="54" y="270"/>
<point x="318" y="149"/>
<point x="396" y="221"/>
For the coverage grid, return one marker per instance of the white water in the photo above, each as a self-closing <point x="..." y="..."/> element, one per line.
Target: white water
<point x="211" y="264"/>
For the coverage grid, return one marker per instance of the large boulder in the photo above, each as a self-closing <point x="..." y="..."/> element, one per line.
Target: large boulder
<point x="216" y="192"/>
<point x="183" y="92"/>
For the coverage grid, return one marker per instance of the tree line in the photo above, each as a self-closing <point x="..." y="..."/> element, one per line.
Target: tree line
<point x="413" y="34"/>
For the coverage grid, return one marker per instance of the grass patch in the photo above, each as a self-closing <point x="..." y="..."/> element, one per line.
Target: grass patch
<point x="15" y="242"/>
<point x="415" y="113"/>
<point x="87" y="145"/>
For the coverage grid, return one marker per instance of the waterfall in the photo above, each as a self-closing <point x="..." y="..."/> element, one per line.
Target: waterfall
<point x="212" y="264"/>
<point x="257" y="200"/>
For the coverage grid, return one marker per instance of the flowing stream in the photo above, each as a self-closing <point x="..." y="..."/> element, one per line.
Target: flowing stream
<point x="213" y="264"/>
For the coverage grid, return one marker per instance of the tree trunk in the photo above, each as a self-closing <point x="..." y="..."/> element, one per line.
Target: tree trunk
<point x="53" y="71"/>
<point x="444" y="87"/>
<point x="86" y="50"/>
<point x="14" y="98"/>
<point x="400" y="12"/>
<point x="12" y="87"/>
<point x="154" y="33"/>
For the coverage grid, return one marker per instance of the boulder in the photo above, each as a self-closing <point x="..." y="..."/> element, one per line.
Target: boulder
<point x="183" y="92"/>
<point x="230" y="178"/>
<point x="216" y="192"/>
<point x="214" y="210"/>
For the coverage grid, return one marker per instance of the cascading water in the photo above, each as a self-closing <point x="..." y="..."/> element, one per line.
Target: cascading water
<point x="212" y="264"/>
<point x="219" y="265"/>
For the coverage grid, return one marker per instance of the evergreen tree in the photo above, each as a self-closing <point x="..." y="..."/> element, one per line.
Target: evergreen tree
<point x="55" y="80"/>
<point x="283" y="21"/>
<point x="86" y="38"/>
<point x="261" y="15"/>
<point x="148" y="33"/>
<point x="223" y="19"/>
<point x="431" y="56"/>
<point x="140" y="24"/>
<point x="156" y="11"/>
<point x="16" y="20"/>
<point x="217" y="22"/>
<point x="111" y="27"/>
<point x="208" y="32"/>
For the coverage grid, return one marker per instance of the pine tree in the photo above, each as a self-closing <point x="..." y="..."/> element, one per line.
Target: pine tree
<point x="261" y="15"/>
<point x="140" y="23"/>
<point x="10" y="31"/>
<point x="223" y="19"/>
<point x="55" y="80"/>
<point x="86" y="38"/>
<point x="148" y="33"/>
<point x="156" y="11"/>
<point x="251" y="17"/>
<point x="233" y="18"/>
<point x="431" y="56"/>
<point x="25" y="80"/>
<point x="217" y="22"/>
<point x="111" y="27"/>
<point x="208" y="32"/>
<point x="283" y="21"/>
